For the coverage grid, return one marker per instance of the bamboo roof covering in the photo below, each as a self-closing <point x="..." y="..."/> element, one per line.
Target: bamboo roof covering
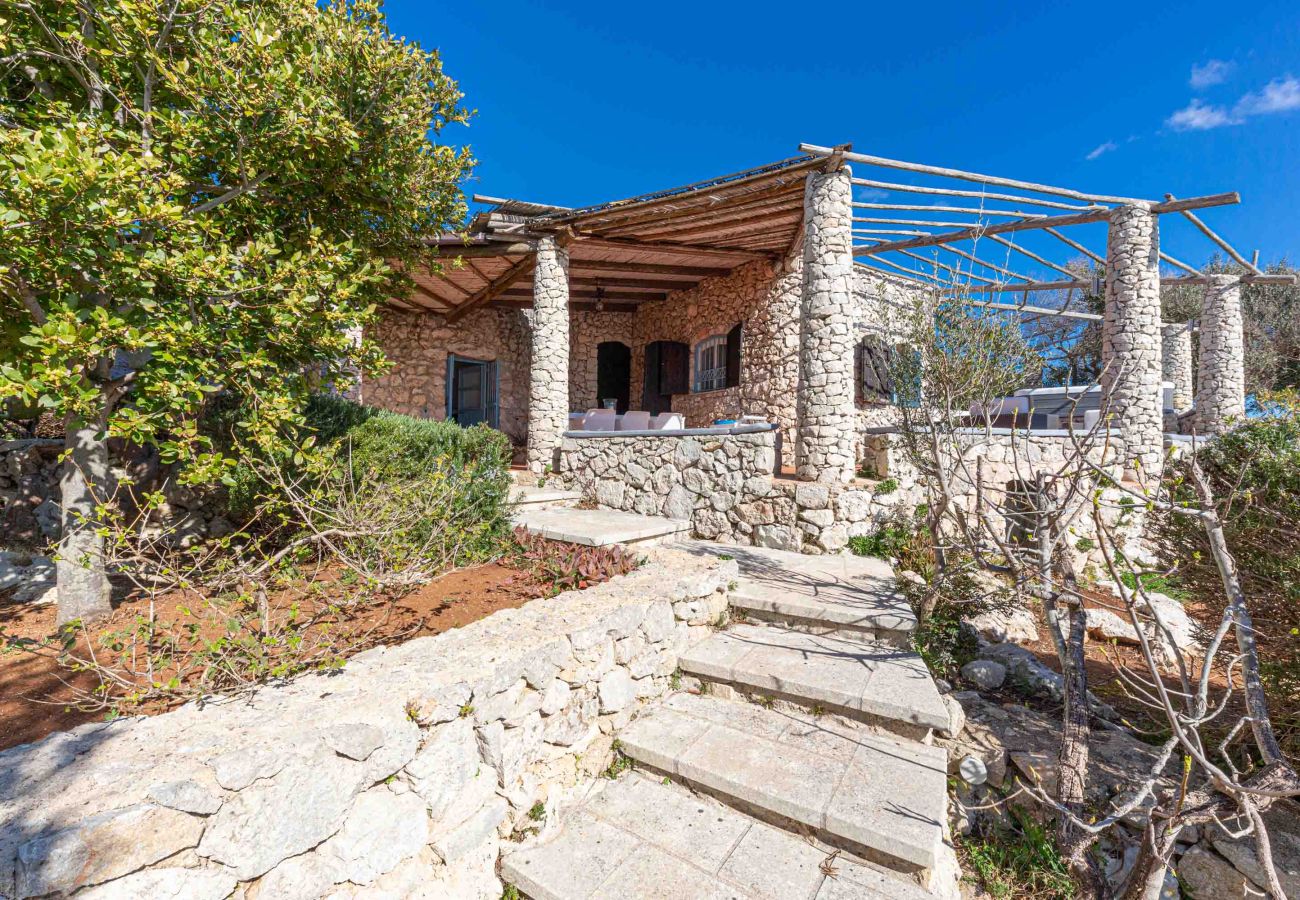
<point x="627" y="252"/>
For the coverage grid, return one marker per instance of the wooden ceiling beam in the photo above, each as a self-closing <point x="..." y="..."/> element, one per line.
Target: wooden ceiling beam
<point x="601" y="265"/>
<point x="420" y="289"/>
<point x="764" y="226"/>
<point x="643" y="283"/>
<point x="588" y="293"/>
<point x="631" y="245"/>
<point x="512" y="303"/>
<point x="478" y="251"/>
<point x="493" y="290"/>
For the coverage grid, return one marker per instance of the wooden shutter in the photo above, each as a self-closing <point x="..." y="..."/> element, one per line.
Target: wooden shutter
<point x="650" y="395"/>
<point x="733" y="354"/>
<point x="674" y="367"/>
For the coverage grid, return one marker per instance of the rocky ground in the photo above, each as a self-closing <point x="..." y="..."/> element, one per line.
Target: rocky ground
<point x="1011" y="700"/>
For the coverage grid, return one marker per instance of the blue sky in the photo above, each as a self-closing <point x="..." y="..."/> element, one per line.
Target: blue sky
<point x="583" y="102"/>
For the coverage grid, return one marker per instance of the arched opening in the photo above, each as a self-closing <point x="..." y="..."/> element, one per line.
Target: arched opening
<point x="613" y="374"/>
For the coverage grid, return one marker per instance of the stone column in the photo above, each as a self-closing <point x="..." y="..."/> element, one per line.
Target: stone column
<point x="548" y="386"/>
<point x="1131" y="339"/>
<point x="826" y="412"/>
<point x="1176" y="362"/>
<point x="1221" y="394"/>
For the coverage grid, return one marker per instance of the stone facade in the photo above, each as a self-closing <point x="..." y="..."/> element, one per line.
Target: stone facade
<point x="587" y="330"/>
<point x="1131" y="339"/>
<point x="418" y="345"/>
<point x="400" y="776"/>
<point x="1221" y="398"/>
<point x="723" y="484"/>
<point x="826" y="442"/>
<point x="1176" y="362"/>
<point x="548" y="389"/>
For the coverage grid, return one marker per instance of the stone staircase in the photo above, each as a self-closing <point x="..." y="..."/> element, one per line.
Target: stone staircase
<point x="797" y="766"/>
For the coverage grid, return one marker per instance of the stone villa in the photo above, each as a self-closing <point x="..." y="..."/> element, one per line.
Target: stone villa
<point x="758" y="295"/>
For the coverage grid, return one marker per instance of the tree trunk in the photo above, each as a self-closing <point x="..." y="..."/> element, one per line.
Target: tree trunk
<point x="83" y="588"/>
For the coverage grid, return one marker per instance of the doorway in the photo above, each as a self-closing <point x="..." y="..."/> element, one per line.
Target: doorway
<point x="471" y="391"/>
<point x="614" y="374"/>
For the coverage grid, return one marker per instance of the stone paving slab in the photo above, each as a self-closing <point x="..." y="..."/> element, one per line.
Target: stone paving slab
<point x="523" y="495"/>
<point x="833" y="591"/>
<point x="641" y="838"/>
<point x="598" y="527"/>
<point x="887" y="796"/>
<point x="875" y="679"/>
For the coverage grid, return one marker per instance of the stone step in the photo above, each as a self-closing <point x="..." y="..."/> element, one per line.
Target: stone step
<point x="872" y="682"/>
<point x="523" y="496"/>
<point x="879" y="797"/>
<point x="641" y="838"/>
<point x="851" y="596"/>
<point x="600" y="527"/>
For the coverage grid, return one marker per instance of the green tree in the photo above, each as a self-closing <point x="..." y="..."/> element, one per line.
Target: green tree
<point x="200" y="196"/>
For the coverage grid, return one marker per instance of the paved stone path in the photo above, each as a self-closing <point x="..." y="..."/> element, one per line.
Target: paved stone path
<point x="798" y="766"/>
<point x="599" y="527"/>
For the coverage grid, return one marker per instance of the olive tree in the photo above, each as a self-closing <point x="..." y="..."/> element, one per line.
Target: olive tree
<point x="199" y="197"/>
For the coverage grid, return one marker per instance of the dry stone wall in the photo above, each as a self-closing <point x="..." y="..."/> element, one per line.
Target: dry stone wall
<point x="724" y="485"/>
<point x="418" y="345"/>
<point x="400" y="776"/>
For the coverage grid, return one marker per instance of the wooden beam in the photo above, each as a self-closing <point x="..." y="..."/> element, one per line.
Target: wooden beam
<point x="965" y="176"/>
<point x="958" y="192"/>
<point x="425" y="292"/>
<point x="1048" y="222"/>
<point x="877" y="221"/>
<point x="974" y="211"/>
<point x="1034" y="256"/>
<point x="1025" y="288"/>
<point x="985" y="263"/>
<point x="584" y="305"/>
<point x="947" y="268"/>
<point x="1076" y="245"/>
<point x="1036" y="310"/>
<point x="493" y="290"/>
<point x="642" y="283"/>
<point x="592" y="293"/>
<point x="726" y="255"/>
<point x="602" y="265"/>
<point x="477" y="251"/>
<point x="1227" y="248"/>
<point x="444" y="280"/>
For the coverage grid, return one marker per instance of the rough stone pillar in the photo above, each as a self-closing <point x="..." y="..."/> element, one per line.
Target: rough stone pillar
<point x="1176" y="362"/>
<point x="548" y="386"/>
<point x="1221" y="394"/>
<point x="1131" y="339"/>
<point x="826" y="413"/>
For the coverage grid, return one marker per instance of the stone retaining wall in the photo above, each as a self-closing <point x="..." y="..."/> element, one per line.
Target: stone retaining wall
<point x="400" y="776"/>
<point x="725" y="486"/>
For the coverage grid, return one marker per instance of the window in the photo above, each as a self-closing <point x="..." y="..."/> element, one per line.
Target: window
<point x="710" y="364"/>
<point x="888" y="374"/>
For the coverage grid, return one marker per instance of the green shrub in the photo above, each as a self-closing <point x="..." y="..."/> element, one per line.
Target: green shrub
<point x="888" y="486"/>
<point x="889" y="542"/>
<point x="353" y="446"/>
<point x="1018" y="859"/>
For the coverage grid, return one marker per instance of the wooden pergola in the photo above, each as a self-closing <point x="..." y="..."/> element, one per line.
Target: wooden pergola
<point x="627" y="252"/>
<point x="988" y="214"/>
<point x="622" y="253"/>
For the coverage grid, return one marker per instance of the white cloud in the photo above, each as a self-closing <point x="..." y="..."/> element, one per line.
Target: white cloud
<point x="1279" y="95"/>
<point x="1199" y="116"/>
<point x="1216" y="71"/>
<point x="1102" y="148"/>
<point x="866" y="194"/>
